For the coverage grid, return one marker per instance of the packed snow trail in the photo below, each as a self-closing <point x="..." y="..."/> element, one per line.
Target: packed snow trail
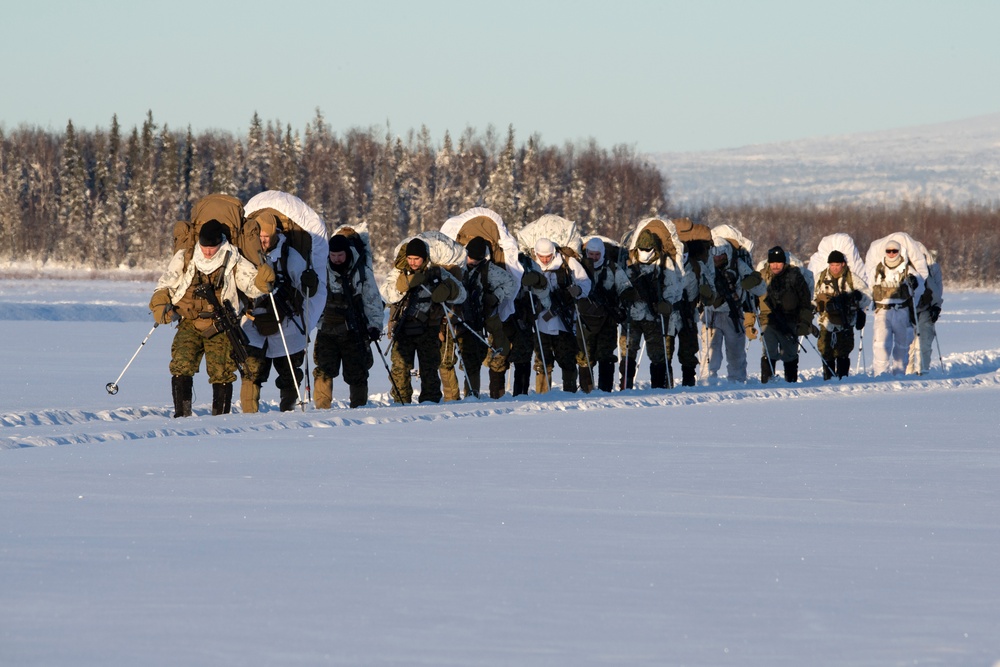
<point x="65" y="427"/>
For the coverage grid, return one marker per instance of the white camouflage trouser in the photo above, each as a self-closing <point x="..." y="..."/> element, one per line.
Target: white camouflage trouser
<point x="892" y="336"/>
<point x="719" y="329"/>
<point x="920" y="349"/>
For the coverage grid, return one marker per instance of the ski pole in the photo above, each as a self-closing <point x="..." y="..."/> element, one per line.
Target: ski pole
<point x="112" y="387"/>
<point x="288" y="355"/>
<point x="813" y="346"/>
<point x="666" y="355"/>
<point x="583" y="334"/>
<point x="541" y="351"/>
<point x="381" y="356"/>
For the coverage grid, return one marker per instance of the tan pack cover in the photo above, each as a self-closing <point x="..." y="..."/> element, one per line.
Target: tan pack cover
<point x="229" y="211"/>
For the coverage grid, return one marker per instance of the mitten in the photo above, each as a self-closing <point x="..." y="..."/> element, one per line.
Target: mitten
<point x="748" y="325"/>
<point x="405" y="282"/>
<point x="574" y="291"/>
<point x="705" y="291"/>
<point x="935" y="312"/>
<point x="859" y="322"/>
<point x="310" y="282"/>
<point x="161" y="307"/>
<point x="751" y="281"/>
<point x="533" y="279"/>
<point x="664" y="308"/>
<point x="264" y="281"/>
<point x="374" y="334"/>
<point x="444" y="291"/>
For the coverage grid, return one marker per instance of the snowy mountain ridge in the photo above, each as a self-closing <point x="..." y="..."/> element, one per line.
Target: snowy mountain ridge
<point x="952" y="163"/>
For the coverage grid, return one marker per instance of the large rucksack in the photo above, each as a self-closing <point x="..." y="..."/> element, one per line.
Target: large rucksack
<point x="243" y="234"/>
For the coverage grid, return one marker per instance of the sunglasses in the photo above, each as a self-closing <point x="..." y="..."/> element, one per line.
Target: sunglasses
<point x="891" y="252"/>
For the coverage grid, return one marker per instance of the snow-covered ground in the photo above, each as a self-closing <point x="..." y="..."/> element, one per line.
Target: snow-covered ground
<point x="950" y="163"/>
<point x="843" y="523"/>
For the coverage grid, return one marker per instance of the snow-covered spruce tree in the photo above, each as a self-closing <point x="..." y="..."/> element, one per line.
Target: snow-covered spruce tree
<point x="71" y="244"/>
<point x="500" y="194"/>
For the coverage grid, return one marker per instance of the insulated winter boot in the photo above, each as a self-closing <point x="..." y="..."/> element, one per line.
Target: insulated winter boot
<point x="628" y="373"/>
<point x="586" y="379"/>
<point x="791" y="371"/>
<point x="222" y="398"/>
<point x="606" y="376"/>
<point x="182" y="386"/>
<point x="688" y="376"/>
<point x="359" y="394"/>
<point x="522" y="379"/>
<point x="323" y="392"/>
<point x="843" y="367"/>
<point x="765" y="370"/>
<point x="287" y="399"/>
<point x="658" y="376"/>
<point x="472" y="384"/>
<point x="542" y="380"/>
<point x="249" y="397"/>
<point x="828" y="365"/>
<point x="449" y="384"/>
<point x="569" y="376"/>
<point x="498" y="384"/>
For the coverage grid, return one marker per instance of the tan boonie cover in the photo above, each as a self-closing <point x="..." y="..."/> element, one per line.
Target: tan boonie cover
<point x="485" y="227"/>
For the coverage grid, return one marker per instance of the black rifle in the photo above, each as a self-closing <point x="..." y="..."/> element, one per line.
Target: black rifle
<point x="725" y="284"/>
<point x="225" y="320"/>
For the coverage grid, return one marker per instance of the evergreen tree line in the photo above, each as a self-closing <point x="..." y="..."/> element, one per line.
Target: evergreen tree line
<point x="108" y="198"/>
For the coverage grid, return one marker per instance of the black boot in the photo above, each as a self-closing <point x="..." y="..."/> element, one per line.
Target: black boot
<point x="658" y="376"/>
<point x="498" y="384"/>
<point x="687" y="376"/>
<point x="628" y="373"/>
<point x="828" y="368"/>
<point x="181" y="386"/>
<point x="522" y="378"/>
<point x="765" y="370"/>
<point x="606" y="376"/>
<point x="843" y="367"/>
<point x="222" y="398"/>
<point x="791" y="371"/>
<point x="586" y="379"/>
<point x="287" y="399"/>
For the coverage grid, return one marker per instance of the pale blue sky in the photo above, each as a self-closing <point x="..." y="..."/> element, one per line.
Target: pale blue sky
<point x="660" y="76"/>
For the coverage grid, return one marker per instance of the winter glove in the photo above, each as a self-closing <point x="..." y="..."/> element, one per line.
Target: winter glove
<point x="912" y="280"/>
<point x="628" y="296"/>
<point x="748" y="325"/>
<point x="858" y="295"/>
<point x="490" y="302"/>
<point x="533" y="279"/>
<point x="935" y="312"/>
<point x="574" y="291"/>
<point x="444" y="291"/>
<point x="664" y="308"/>
<point x="264" y="281"/>
<point x="705" y="291"/>
<point x="804" y="329"/>
<point x="405" y="282"/>
<point x="859" y="322"/>
<point x="751" y="281"/>
<point x="821" y="304"/>
<point x="310" y="282"/>
<point x="374" y="334"/>
<point x="162" y="309"/>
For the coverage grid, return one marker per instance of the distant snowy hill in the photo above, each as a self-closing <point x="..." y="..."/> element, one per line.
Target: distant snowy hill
<point x="956" y="163"/>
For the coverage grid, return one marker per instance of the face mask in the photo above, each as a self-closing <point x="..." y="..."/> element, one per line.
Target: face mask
<point x="646" y="256"/>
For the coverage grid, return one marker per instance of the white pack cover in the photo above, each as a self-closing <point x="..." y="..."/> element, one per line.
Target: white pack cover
<point x="304" y="216"/>
<point x="730" y="233"/>
<point x="452" y="226"/>
<point x="913" y="252"/>
<point x="361" y="230"/>
<point x="557" y="229"/>
<point x="443" y="250"/>
<point x="845" y="244"/>
<point x="633" y="236"/>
